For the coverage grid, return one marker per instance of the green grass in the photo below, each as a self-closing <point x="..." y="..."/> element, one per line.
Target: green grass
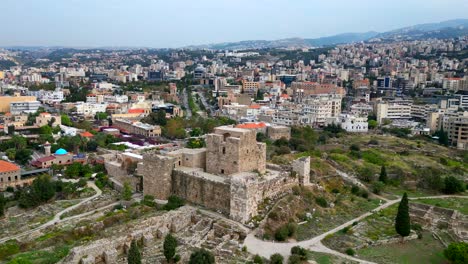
<point x="42" y="256"/>
<point x="331" y="218"/>
<point x="425" y="250"/>
<point x="459" y="204"/>
<point x="9" y="248"/>
<point x="323" y="258"/>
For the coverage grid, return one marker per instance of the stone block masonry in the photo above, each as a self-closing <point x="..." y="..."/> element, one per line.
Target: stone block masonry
<point x="157" y="175"/>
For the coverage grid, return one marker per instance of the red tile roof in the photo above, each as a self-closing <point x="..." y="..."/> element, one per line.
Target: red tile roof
<point x="251" y="125"/>
<point x="136" y="111"/>
<point x="45" y="159"/>
<point x="86" y="134"/>
<point x="255" y="106"/>
<point x="6" y="166"/>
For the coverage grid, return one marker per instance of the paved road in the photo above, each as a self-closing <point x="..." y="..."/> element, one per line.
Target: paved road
<point x="56" y="218"/>
<point x="188" y="111"/>
<point x="268" y="248"/>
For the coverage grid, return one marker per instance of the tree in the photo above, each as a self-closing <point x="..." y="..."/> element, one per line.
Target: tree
<point x="371" y="124"/>
<point x="92" y="145"/>
<point x="66" y="121"/>
<point x="457" y="253"/>
<point x="100" y="116"/>
<point x="2" y="204"/>
<point x="402" y="220"/>
<point x="175" y="128"/>
<point x="453" y="185"/>
<point x="127" y="192"/>
<point x="443" y="137"/>
<point x="43" y="187"/>
<point x="134" y="255"/>
<point x="276" y="259"/>
<point x="201" y="256"/>
<point x="169" y="247"/>
<point x="23" y="156"/>
<point x="259" y="96"/>
<point x="383" y="175"/>
<point x="45" y="130"/>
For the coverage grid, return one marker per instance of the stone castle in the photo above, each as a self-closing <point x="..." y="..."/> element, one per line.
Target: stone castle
<point x="230" y="175"/>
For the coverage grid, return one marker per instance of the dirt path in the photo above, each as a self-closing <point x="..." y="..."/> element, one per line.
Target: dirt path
<point x="267" y="248"/>
<point x="56" y="218"/>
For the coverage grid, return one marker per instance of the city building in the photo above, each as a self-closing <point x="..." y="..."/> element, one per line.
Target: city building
<point x="5" y="101"/>
<point x="137" y="128"/>
<point x="387" y="110"/>
<point x="10" y="175"/>
<point x="24" y="107"/>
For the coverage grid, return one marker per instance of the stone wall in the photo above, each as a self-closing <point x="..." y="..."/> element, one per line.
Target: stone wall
<point x="191" y="186"/>
<point x="277" y="132"/>
<point x="233" y="150"/>
<point x="106" y="250"/>
<point x="302" y="168"/>
<point x="192" y="158"/>
<point x="248" y="191"/>
<point x="157" y="175"/>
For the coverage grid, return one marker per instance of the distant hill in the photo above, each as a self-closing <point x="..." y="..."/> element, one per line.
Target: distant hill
<point x="446" y="29"/>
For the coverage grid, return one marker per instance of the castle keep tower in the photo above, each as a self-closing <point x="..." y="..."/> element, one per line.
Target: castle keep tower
<point x="231" y="150"/>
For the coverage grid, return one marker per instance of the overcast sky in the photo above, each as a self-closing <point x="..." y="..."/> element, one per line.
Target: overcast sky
<point x="176" y="23"/>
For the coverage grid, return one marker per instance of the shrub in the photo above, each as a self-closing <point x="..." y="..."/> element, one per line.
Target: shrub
<point x="297" y="250"/>
<point x="364" y="194"/>
<point x="355" y="190"/>
<point x="148" y="200"/>
<point x="350" y="252"/>
<point x="453" y="185"/>
<point x="276" y="259"/>
<point x="457" y="253"/>
<point x="257" y="259"/>
<point x="354" y="147"/>
<point x="282" y="233"/>
<point x="173" y="203"/>
<point x="321" y="201"/>
<point x="201" y="256"/>
<point x="377" y="187"/>
<point x="292" y="228"/>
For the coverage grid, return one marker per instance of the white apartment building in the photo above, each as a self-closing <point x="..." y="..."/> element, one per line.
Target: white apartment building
<point x="350" y="123"/>
<point x="24" y="107"/>
<point x="316" y="109"/>
<point x="386" y="110"/>
<point x="421" y="111"/>
<point x="54" y="97"/>
<point x="90" y="109"/>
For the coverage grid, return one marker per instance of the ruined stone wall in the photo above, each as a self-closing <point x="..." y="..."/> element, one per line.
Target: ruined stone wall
<point x="248" y="192"/>
<point x="211" y="194"/>
<point x="107" y="249"/>
<point x="302" y="168"/>
<point x="157" y="175"/>
<point x="277" y="132"/>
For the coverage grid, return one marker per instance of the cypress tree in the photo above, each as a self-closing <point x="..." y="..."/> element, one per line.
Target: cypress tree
<point x="402" y="220"/>
<point x="134" y="255"/>
<point x="169" y="247"/>
<point x="383" y="175"/>
<point x="2" y="204"/>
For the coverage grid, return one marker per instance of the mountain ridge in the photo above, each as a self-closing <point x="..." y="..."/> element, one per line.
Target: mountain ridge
<point x="459" y="27"/>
